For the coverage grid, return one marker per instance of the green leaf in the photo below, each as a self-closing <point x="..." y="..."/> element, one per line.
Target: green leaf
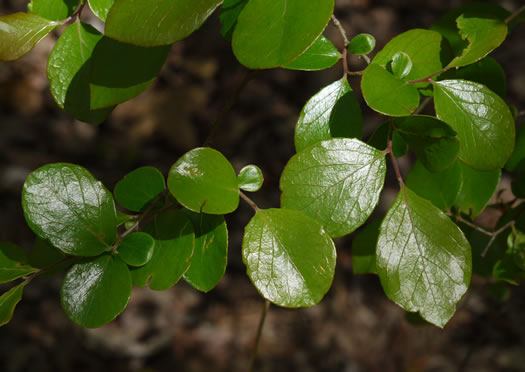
<point x="54" y="10"/>
<point x="516" y="244"/>
<point x="337" y="182"/>
<point x="8" y="302"/>
<point x="441" y="188"/>
<point x="43" y="254"/>
<point x="362" y="44"/>
<point x="505" y="270"/>
<point x="273" y="33"/>
<point x="482" y="120"/>
<point x="157" y="22"/>
<point x="230" y="11"/>
<point x="477" y="189"/>
<point x="379" y="140"/>
<point x="203" y="180"/>
<point x="517" y="159"/>
<point x="250" y="178"/>
<point x="433" y="141"/>
<point x="121" y="71"/>
<point x="518" y="186"/>
<point x="174" y="243"/>
<point x="289" y="257"/>
<point x="95" y="292"/>
<point x="139" y="187"/>
<point x="210" y="256"/>
<point x="332" y="112"/>
<point x="12" y="263"/>
<point x="137" y="248"/>
<point x="20" y="32"/>
<point x="423" y="259"/>
<point x="387" y="94"/>
<point x="68" y="72"/>
<point x="488" y="72"/>
<point x="364" y="249"/>
<point x="66" y="205"/>
<point x="401" y="65"/>
<point x="321" y="55"/>
<point x="101" y="8"/>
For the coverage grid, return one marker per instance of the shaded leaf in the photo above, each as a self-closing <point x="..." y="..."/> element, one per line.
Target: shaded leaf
<point x="13" y="263"/>
<point x="139" y="187"/>
<point x="379" y="140"/>
<point x="488" y="72"/>
<point x="319" y="56"/>
<point x="43" y="254"/>
<point x="8" y="302"/>
<point x="362" y="44"/>
<point x="137" y="248"/>
<point x="230" y="11"/>
<point x="364" y="249"/>
<point x="517" y="159"/>
<point x="250" y="178"/>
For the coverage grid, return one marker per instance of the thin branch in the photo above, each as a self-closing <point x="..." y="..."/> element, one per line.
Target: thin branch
<point x="472" y="225"/>
<point x="249" y="201"/>
<point x="48" y="268"/>
<point x="394" y="162"/>
<point x="345" y="62"/>
<point x="341" y="30"/>
<point x="143" y="216"/>
<point x="515" y="15"/>
<point x="495" y="235"/>
<point x="259" y="333"/>
<point x="422" y="106"/>
<point x="428" y="79"/>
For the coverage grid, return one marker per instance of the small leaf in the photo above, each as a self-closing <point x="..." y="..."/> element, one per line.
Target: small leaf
<point x="229" y="14"/>
<point x="137" y="248"/>
<point x="12" y="263"/>
<point x="332" y="112"/>
<point x="337" y="182"/>
<point x="362" y="44"/>
<point x="101" y="8"/>
<point x="203" y="180"/>
<point x="8" y="302"/>
<point x="210" y="257"/>
<point x="505" y="270"/>
<point x="139" y="187"/>
<point x="289" y="257"/>
<point x="54" y="10"/>
<point x="517" y="159"/>
<point x="321" y="55"/>
<point x="95" y="292"/>
<point x="487" y="72"/>
<point x="273" y="33"/>
<point x="66" y="205"/>
<point x="516" y="244"/>
<point x="20" y="32"/>
<point x="174" y="243"/>
<point x="423" y="258"/>
<point x="364" y="249"/>
<point x="388" y="94"/>
<point x="482" y="120"/>
<point x="250" y="178"/>
<point x="401" y="65"/>
<point x="150" y="23"/>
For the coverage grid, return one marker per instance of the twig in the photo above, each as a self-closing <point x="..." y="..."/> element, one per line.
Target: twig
<point x="145" y="214"/>
<point x="514" y="15"/>
<point x="427" y="79"/>
<point x="47" y="268"/>
<point x="259" y="333"/>
<point x="470" y="224"/>
<point x="494" y="236"/>
<point x="249" y="201"/>
<point x="422" y="106"/>
<point x="341" y="30"/>
<point x="394" y="162"/>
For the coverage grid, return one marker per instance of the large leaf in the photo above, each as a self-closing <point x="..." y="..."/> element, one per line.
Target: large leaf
<point x="20" y="32"/>
<point x="54" y="10"/>
<point x="332" y="112"/>
<point x="8" y="302"/>
<point x="482" y="120"/>
<point x="337" y="182"/>
<point x="289" y="257"/>
<point x="208" y="263"/>
<point x="273" y="33"/>
<point x="321" y="55"/>
<point x="488" y="72"/>
<point x="68" y="72"/>
<point x="101" y="7"/>
<point x="203" y="180"/>
<point x="119" y="72"/>
<point x="388" y="94"/>
<point x="12" y="263"/>
<point x="93" y="293"/>
<point x="423" y="259"/>
<point x="66" y="205"/>
<point x="174" y="242"/>
<point x="157" y="22"/>
<point x="139" y="187"/>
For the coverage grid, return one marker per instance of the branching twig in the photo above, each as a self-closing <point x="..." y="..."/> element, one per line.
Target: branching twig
<point x="259" y="333"/>
<point x="514" y="15"/>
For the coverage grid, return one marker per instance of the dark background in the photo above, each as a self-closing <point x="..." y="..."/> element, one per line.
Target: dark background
<point x="355" y="328"/>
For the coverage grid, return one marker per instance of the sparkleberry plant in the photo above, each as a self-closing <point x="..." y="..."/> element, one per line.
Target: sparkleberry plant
<point x="424" y="249"/>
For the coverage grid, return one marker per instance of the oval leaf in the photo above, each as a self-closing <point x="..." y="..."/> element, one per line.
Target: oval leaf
<point x="93" y="293"/>
<point x="8" y="302"/>
<point x="401" y="65"/>
<point x="101" y="8"/>
<point x="66" y="205"/>
<point x="289" y="257"/>
<point x="423" y="259"/>
<point x="273" y="33"/>
<point x="139" y="187"/>
<point x="337" y="182"/>
<point x="12" y="263"/>
<point x="321" y="55"/>
<point x="250" y="178"/>
<point x="137" y="249"/>
<point x="362" y="44"/>
<point x="54" y="10"/>
<point x="203" y="180"/>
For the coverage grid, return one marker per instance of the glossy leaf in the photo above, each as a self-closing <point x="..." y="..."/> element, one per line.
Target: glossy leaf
<point x="517" y="159"/>
<point x="321" y="55"/>
<point x="210" y="257"/>
<point x="230" y="11"/>
<point x="401" y="65"/>
<point x="12" y="263"/>
<point x="137" y="248"/>
<point x="441" y="189"/>
<point x="139" y="187"/>
<point x="203" y="180"/>
<point x="423" y="259"/>
<point x="66" y="205"/>
<point x="20" y="32"/>
<point x="273" y="33"/>
<point x="482" y="120"/>
<point x="362" y="44"/>
<point x="95" y="292"/>
<point x="157" y="22"/>
<point x="364" y="249"/>
<point x="337" y="182"/>
<point x="289" y="257"/>
<point x="174" y="243"/>
<point x="54" y="10"/>
<point x="488" y="72"/>
<point x="68" y="72"/>
<point x="119" y="72"/>
<point x="332" y="112"/>
<point x="8" y="302"/>
<point x="250" y="178"/>
<point x="388" y="94"/>
<point x="101" y="8"/>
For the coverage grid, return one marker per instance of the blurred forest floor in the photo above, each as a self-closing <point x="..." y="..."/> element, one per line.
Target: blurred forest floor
<point x="355" y="328"/>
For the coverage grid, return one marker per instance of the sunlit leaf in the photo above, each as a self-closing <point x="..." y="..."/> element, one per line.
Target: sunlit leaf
<point x="320" y="55"/>
<point x="136" y="249"/>
<point x="101" y="8"/>
<point x="54" y="10"/>
<point x="250" y="178"/>
<point x="362" y="44"/>
<point x="139" y="187"/>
